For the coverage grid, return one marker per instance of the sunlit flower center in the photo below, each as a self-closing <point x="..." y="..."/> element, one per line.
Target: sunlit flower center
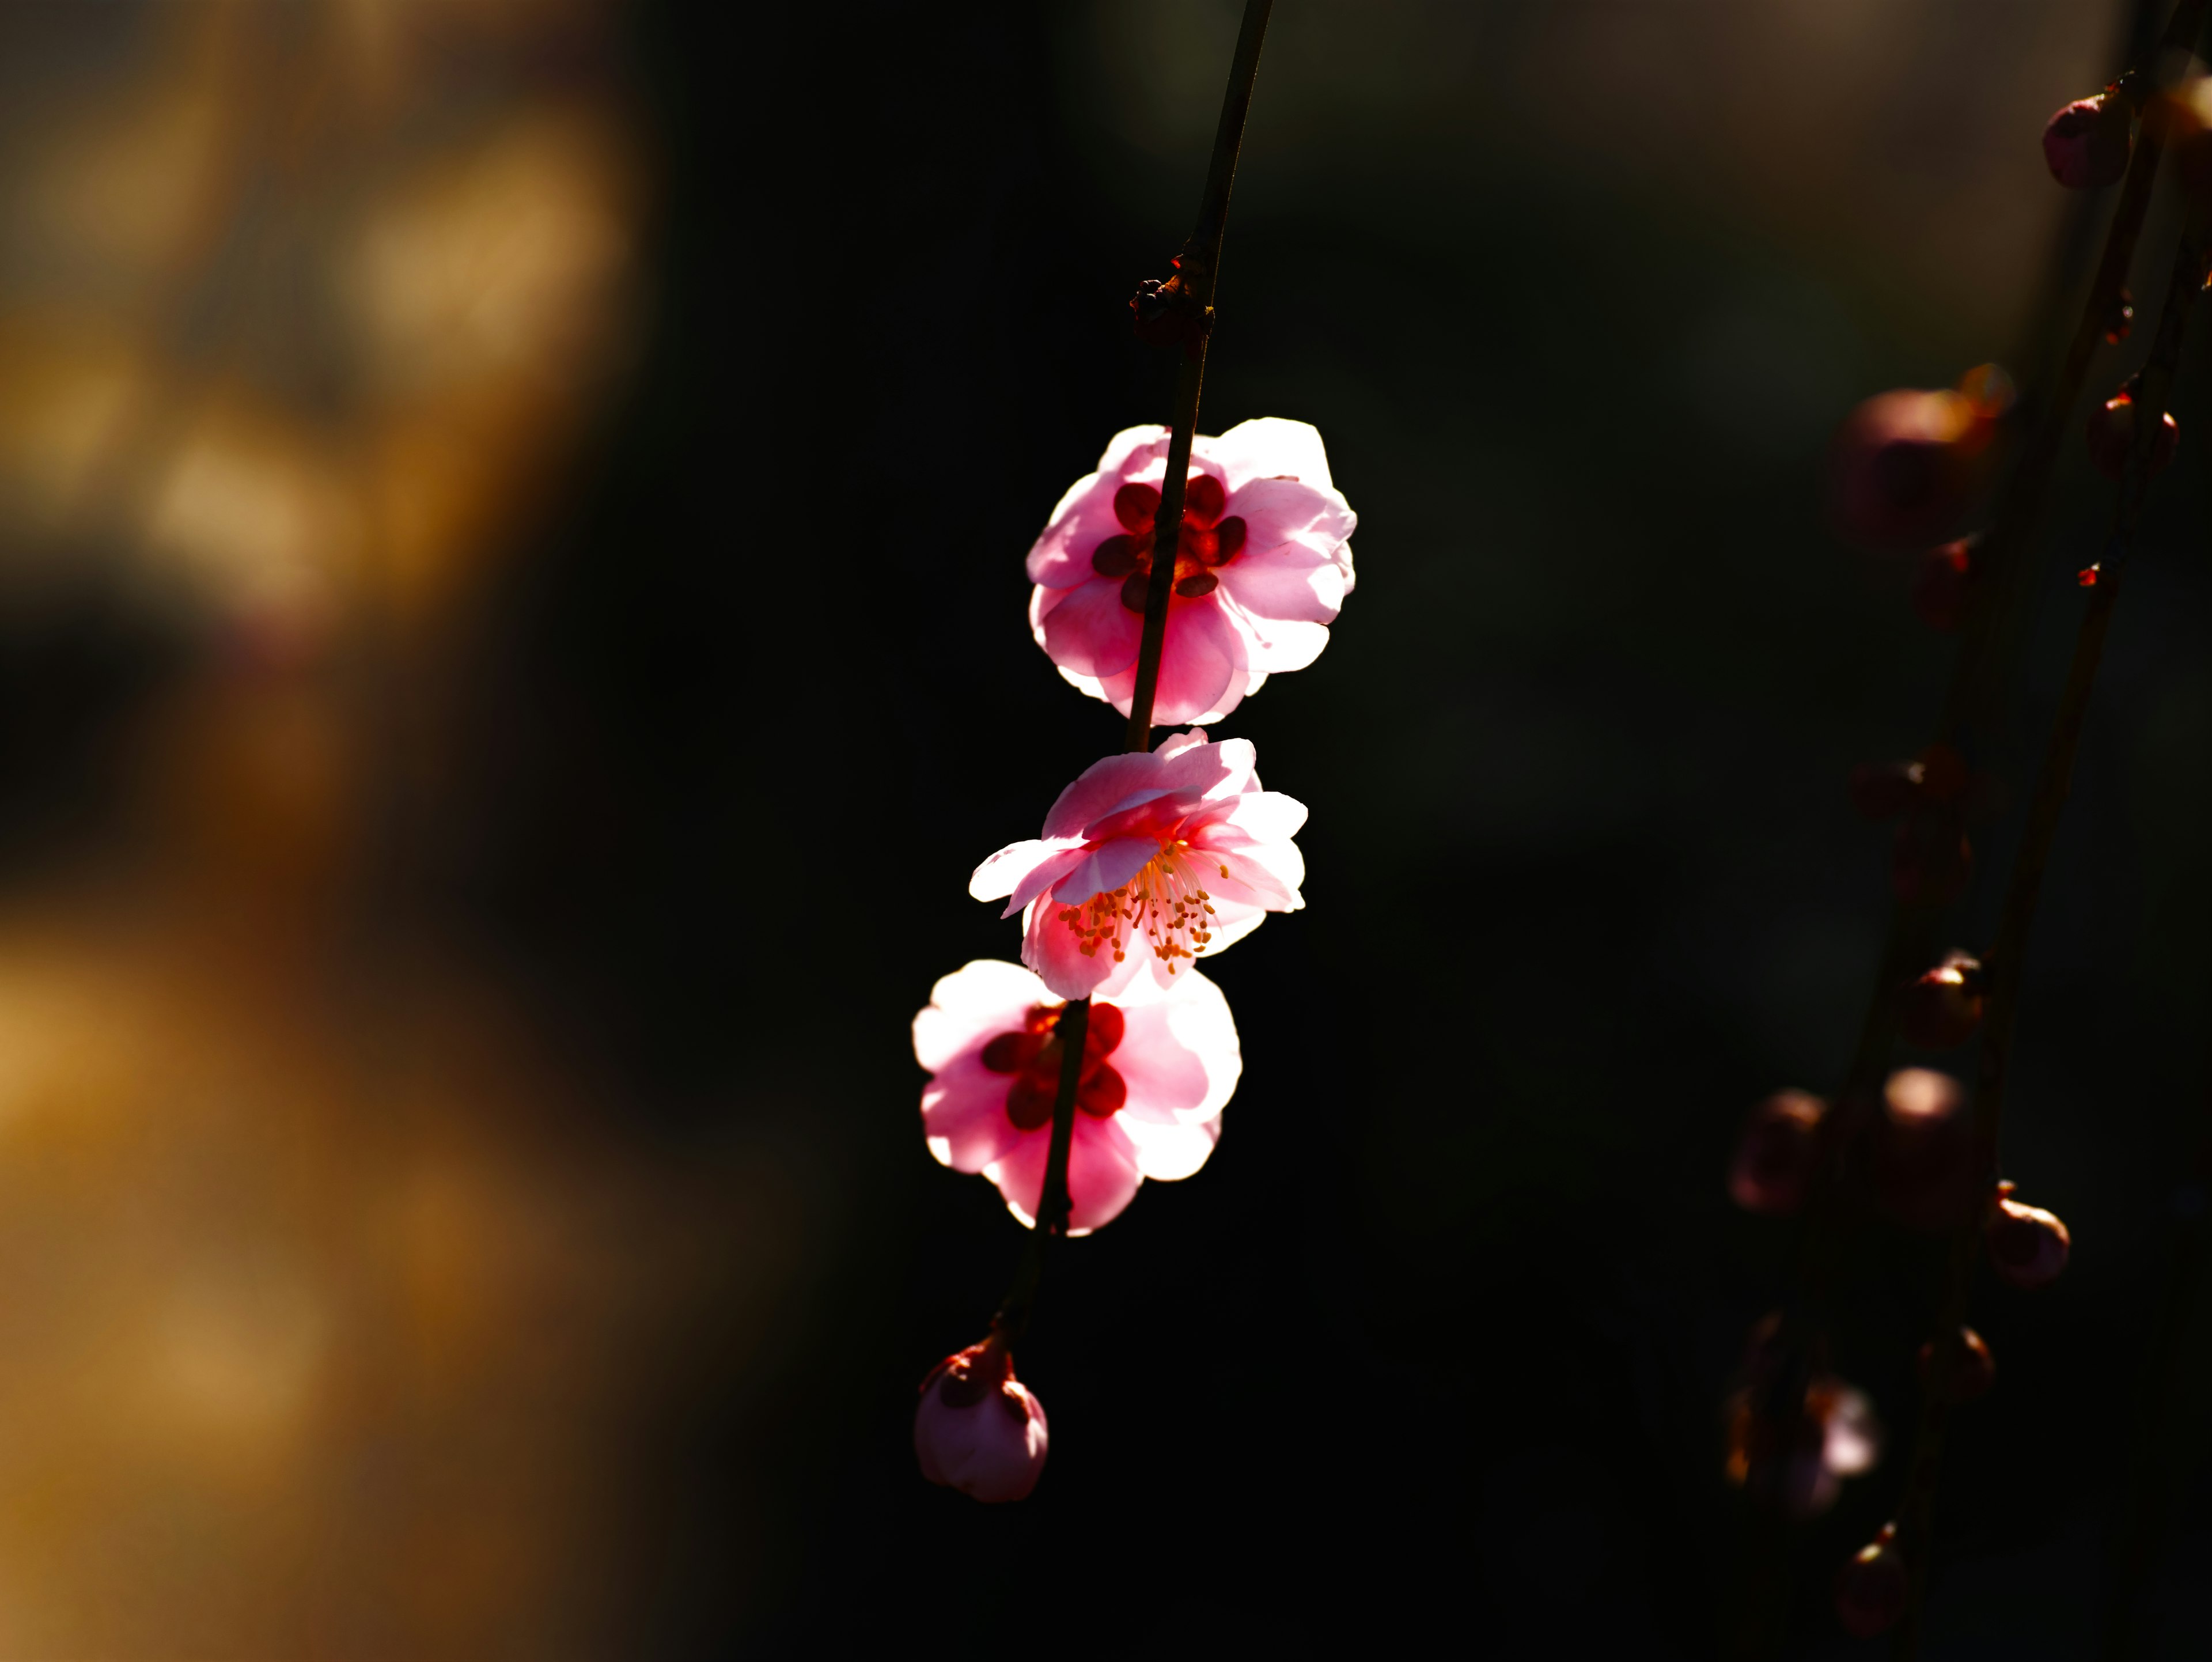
<point x="1166" y="903"/>
<point x="1205" y="541"/>
<point x="1032" y="1055"/>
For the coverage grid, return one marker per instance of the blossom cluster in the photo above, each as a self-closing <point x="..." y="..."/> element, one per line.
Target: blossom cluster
<point x="1148" y="861"/>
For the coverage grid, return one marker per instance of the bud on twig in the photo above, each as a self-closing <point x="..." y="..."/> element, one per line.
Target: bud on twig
<point x="2111" y="434"/>
<point x="2028" y="1246"/>
<point x="2086" y="143"/>
<point x="1942" y="1007"/>
<point x="1776" y="1153"/>
<point x="1873" y="1588"/>
<point x="1973" y="1370"/>
<point x="978" y="1429"/>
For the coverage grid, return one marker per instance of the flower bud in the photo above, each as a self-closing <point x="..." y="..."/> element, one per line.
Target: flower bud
<point x="1904" y="463"/>
<point x="1973" y="1370"/>
<point x="978" y="1428"/>
<point x="1873" y="1587"/>
<point x="1883" y="790"/>
<point x="1923" y="1145"/>
<point x="2027" y="1246"/>
<point x="1939" y="585"/>
<point x="1775" y="1155"/>
<point x="2111" y="434"/>
<point x="1943" y="1006"/>
<point x="2086" y="143"/>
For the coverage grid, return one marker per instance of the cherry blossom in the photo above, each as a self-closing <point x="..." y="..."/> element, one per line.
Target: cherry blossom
<point x="1261" y="568"/>
<point x="1149" y="859"/>
<point x="1158" y="1066"/>
<point x="978" y="1428"/>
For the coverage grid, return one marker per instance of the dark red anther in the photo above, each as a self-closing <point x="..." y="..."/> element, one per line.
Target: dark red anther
<point x="1973" y="1370"/>
<point x="1102" y="1094"/>
<point x="1203" y="499"/>
<point x="1873" y="1587"/>
<point x="1198" y="583"/>
<point x="1102" y="1035"/>
<point x="1941" y="1008"/>
<point x="1137" y="506"/>
<point x="1115" y="557"/>
<point x="1009" y="1053"/>
<point x="1939" y="586"/>
<point x="1229" y="539"/>
<point x="2111" y="434"/>
<point x="1134" y="591"/>
<point x="1030" y="1097"/>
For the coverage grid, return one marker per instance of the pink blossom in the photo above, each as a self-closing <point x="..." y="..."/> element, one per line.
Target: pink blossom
<point x="1149" y="859"/>
<point x="1261" y="568"/>
<point x="978" y="1428"/>
<point x="1158" y="1066"/>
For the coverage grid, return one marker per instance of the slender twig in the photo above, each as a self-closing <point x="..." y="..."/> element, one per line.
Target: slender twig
<point x="2006" y="958"/>
<point x="1197" y="265"/>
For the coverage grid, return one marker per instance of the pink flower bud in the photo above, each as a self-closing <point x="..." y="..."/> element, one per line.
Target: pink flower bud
<point x="1903" y="464"/>
<point x="2027" y="1246"/>
<point x="2187" y="113"/>
<point x="1973" y="1370"/>
<point x="978" y="1428"/>
<point x="2086" y="143"/>
<point x="1943" y="1006"/>
<point x="1775" y="1155"/>
<point x="1939" y="586"/>
<point x="1873" y="1587"/>
<point x="2111" y="434"/>
<point x="1923" y="1171"/>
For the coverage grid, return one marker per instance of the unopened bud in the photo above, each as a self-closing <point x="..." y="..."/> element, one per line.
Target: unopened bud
<point x="1973" y="1370"/>
<point x="2086" y="143"/>
<point x="2112" y="435"/>
<point x="1775" y="1156"/>
<point x="2186" y="110"/>
<point x="978" y="1429"/>
<point x="1922" y="1172"/>
<point x="2028" y="1246"/>
<point x="1943" y="1006"/>
<point x="1168" y="313"/>
<point x="1939" y="584"/>
<point x="1904" y="464"/>
<point x="1873" y="1587"/>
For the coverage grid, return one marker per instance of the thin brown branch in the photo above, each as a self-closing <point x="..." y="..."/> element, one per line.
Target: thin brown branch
<point x="1199" y="266"/>
<point x="2016" y="925"/>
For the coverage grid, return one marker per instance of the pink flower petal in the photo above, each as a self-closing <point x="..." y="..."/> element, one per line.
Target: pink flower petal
<point x="1177" y="767"/>
<point x="1170" y="1153"/>
<point x="1102" y="1174"/>
<point x="976" y="1001"/>
<point x="1267" y="447"/>
<point x="1089" y="630"/>
<point x="1085" y="516"/>
<point x="1055" y="953"/>
<point x="1203" y="664"/>
<point x="963" y="1113"/>
<point x="1106" y="867"/>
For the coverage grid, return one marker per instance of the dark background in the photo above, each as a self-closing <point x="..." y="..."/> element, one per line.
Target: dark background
<point x="1433" y="1349"/>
